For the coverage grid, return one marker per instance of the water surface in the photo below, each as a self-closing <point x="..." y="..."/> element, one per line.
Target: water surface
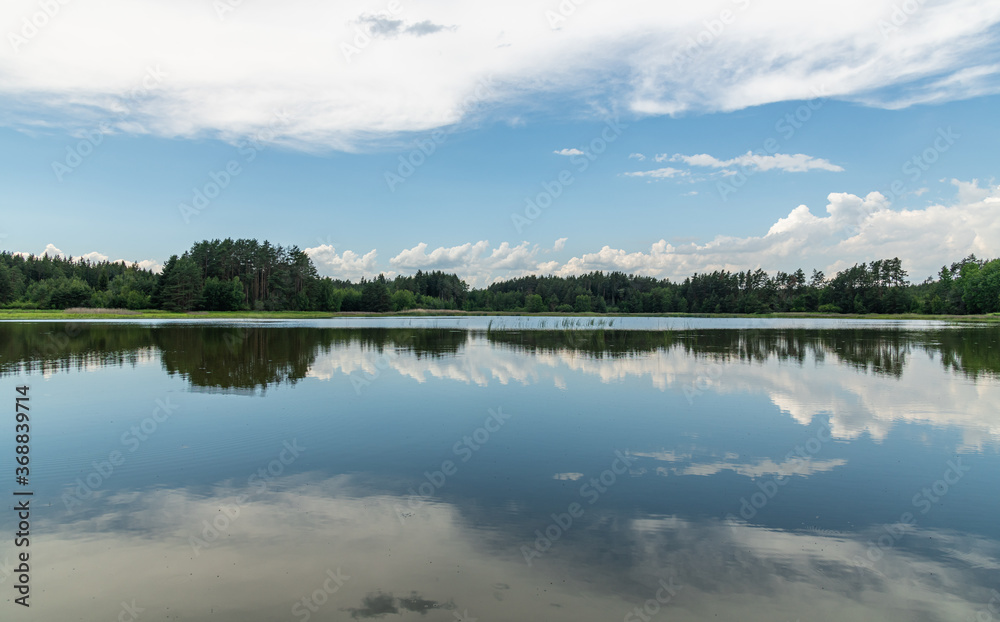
<point x="506" y="469"/>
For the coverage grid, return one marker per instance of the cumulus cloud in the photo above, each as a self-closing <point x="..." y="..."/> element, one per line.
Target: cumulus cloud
<point x="151" y="264"/>
<point x="52" y="251"/>
<point x="568" y="152"/>
<point x="440" y="258"/>
<point x="478" y="263"/>
<point x="856" y="228"/>
<point x="852" y="229"/>
<point x="636" y="156"/>
<point x="346" y="265"/>
<point x="219" y="80"/>
<point x="94" y="257"/>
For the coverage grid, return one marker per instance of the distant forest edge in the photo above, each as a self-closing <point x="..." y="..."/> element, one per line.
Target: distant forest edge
<point x="234" y="275"/>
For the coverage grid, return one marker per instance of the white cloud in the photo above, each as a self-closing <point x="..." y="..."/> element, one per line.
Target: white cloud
<point x="660" y="173"/>
<point x="440" y="258"/>
<point x="51" y="251"/>
<point x="151" y="264"/>
<point x="94" y="257"/>
<point x="347" y="265"/>
<point x="636" y="156"/>
<point x="438" y="64"/>
<point x="478" y="263"/>
<point x="853" y="229"/>
<point x="792" y="163"/>
<point x="568" y="152"/>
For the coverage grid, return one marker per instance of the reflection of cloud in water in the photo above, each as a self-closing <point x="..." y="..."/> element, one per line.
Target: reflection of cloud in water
<point x="283" y="543"/>
<point x="801" y="466"/>
<point x="760" y="468"/>
<point x="857" y="401"/>
<point x="568" y="476"/>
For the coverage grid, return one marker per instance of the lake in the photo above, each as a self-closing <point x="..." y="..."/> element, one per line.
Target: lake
<point x="505" y="468"/>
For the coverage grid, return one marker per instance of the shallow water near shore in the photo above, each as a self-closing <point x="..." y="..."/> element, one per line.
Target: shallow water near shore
<point x="508" y="468"/>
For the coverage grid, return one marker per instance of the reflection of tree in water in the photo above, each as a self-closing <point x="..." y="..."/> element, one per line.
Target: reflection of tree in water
<point x="229" y="357"/>
<point x="232" y="357"/>
<point x="225" y="357"/>
<point x="48" y="347"/>
<point x="972" y="351"/>
<point x="598" y="343"/>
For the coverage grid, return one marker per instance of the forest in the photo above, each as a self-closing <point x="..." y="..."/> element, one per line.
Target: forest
<point x="235" y="275"/>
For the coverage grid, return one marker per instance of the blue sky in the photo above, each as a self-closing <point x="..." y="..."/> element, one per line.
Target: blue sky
<point x="648" y="151"/>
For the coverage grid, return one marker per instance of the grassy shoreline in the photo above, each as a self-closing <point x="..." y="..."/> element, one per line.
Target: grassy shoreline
<point x="154" y="314"/>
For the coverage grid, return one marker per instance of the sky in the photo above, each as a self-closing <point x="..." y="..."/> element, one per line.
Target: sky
<point x="495" y="140"/>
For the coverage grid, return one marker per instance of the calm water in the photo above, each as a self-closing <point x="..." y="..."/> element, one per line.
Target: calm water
<point x="506" y="469"/>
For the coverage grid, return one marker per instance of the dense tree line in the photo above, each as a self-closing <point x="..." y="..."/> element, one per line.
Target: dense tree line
<point x="232" y="275"/>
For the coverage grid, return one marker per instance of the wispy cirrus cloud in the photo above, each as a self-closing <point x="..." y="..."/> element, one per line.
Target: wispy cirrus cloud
<point x="659" y="173"/>
<point x="790" y="163"/>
